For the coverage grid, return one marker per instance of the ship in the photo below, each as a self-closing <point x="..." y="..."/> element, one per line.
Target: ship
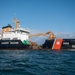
<point x="54" y="43"/>
<point x="14" y="38"/>
<point x="59" y="44"/>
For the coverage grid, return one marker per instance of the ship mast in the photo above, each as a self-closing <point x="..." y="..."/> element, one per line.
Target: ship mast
<point x="16" y="22"/>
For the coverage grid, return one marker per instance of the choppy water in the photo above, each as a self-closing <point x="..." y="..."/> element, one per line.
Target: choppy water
<point x="37" y="62"/>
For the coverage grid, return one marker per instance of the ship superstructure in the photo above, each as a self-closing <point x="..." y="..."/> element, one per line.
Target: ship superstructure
<point x="19" y="33"/>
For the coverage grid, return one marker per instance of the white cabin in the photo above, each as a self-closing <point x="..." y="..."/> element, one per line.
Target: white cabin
<point x="14" y="34"/>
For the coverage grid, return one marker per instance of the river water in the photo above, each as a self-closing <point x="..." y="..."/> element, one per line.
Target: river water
<point x="37" y="62"/>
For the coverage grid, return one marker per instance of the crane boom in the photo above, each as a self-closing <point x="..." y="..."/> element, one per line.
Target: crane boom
<point x="51" y="35"/>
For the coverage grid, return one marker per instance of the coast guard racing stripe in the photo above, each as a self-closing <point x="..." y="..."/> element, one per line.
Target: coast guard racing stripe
<point x="57" y="44"/>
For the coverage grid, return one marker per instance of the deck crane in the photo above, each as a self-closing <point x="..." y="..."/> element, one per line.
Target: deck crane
<point x="50" y="37"/>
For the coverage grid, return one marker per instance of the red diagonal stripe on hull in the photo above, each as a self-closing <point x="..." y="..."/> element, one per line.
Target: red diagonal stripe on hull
<point x="57" y="44"/>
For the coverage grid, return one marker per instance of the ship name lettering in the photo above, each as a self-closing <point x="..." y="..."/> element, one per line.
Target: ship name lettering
<point x="14" y="42"/>
<point x="66" y="43"/>
<point x="4" y="42"/>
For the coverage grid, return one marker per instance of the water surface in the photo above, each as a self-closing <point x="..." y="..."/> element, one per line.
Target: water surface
<point x="37" y="62"/>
